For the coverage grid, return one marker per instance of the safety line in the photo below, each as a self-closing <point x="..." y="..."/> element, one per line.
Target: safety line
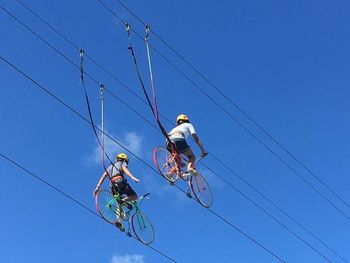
<point x="75" y="200"/>
<point x="233" y="118"/>
<point x="258" y="206"/>
<point x="110" y="74"/>
<point x="137" y="157"/>
<point x="267" y="213"/>
<point x="153" y="108"/>
<point x="272" y="203"/>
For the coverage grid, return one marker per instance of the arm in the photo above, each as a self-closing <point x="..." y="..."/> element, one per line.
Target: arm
<point x="199" y="143"/>
<point x="99" y="183"/>
<point x="128" y="173"/>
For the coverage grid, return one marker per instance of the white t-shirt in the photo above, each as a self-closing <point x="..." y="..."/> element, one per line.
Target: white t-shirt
<point x="182" y="131"/>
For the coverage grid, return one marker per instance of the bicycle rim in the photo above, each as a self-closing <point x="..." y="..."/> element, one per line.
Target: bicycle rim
<point x="201" y="190"/>
<point x="165" y="163"/>
<point x="142" y="228"/>
<point x="106" y="206"/>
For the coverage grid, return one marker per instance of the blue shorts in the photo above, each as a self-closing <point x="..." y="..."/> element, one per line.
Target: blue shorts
<point x="181" y="146"/>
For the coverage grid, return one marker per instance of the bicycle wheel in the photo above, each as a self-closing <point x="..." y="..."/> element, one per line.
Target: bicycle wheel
<point x="107" y="206"/>
<point x="165" y="163"/>
<point x="142" y="228"/>
<point x="201" y="190"/>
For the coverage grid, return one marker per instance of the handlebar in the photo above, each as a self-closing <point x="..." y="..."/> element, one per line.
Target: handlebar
<point x="144" y="196"/>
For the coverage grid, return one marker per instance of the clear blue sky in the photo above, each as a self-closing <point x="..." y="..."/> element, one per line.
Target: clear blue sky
<point x="285" y="63"/>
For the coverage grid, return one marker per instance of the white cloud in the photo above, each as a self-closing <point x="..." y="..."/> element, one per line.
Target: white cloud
<point x="130" y="140"/>
<point x="128" y="259"/>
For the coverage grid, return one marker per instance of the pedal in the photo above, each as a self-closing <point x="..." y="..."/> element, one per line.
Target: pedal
<point x="189" y="194"/>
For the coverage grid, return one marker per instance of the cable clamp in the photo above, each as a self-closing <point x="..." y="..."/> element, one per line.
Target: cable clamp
<point x="127" y="27"/>
<point x="81" y="52"/>
<point x="101" y="90"/>
<point x="148" y="29"/>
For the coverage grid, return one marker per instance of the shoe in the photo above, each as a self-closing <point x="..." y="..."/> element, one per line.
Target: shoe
<point x="120" y="226"/>
<point x="169" y="177"/>
<point x="184" y="176"/>
<point x="192" y="171"/>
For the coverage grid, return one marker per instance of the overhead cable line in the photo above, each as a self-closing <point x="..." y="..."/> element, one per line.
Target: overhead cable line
<point x="272" y="203"/>
<point x="155" y="112"/>
<point x="136" y="156"/>
<point x="74" y="64"/>
<point x="235" y="104"/>
<point x="87" y="55"/>
<point x="239" y="108"/>
<point x="74" y="200"/>
<point x="82" y="53"/>
<point x="234" y="119"/>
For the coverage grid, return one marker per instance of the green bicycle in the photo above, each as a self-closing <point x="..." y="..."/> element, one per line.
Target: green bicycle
<point x="113" y="211"/>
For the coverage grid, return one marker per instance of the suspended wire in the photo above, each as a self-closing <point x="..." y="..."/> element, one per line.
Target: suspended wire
<point x="156" y="113"/>
<point x="267" y="213"/>
<point x="73" y="199"/>
<point x="102" y="124"/>
<point x="237" y="106"/>
<point x="82" y="52"/>
<point x="153" y="108"/>
<point x="271" y="202"/>
<point x="85" y="54"/>
<point x="233" y="118"/>
<point x="74" y="64"/>
<point x="136" y="156"/>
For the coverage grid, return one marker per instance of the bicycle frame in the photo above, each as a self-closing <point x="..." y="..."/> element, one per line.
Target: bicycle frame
<point x="176" y="156"/>
<point x="135" y="203"/>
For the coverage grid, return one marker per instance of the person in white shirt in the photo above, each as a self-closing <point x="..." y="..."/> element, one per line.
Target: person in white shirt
<point x="178" y="136"/>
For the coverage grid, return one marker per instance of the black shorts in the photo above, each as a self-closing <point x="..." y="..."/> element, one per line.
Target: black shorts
<point x="181" y="146"/>
<point x="123" y="188"/>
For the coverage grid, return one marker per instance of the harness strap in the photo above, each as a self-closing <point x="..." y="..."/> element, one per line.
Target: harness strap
<point x="177" y="132"/>
<point x="100" y="142"/>
<point x="155" y="112"/>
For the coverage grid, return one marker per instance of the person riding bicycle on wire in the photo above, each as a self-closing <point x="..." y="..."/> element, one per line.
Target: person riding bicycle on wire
<point x="178" y="136"/>
<point x="118" y="182"/>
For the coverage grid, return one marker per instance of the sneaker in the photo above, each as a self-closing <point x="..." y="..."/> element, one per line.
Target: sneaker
<point x="169" y="177"/>
<point x="184" y="176"/>
<point x="192" y="171"/>
<point x="120" y="226"/>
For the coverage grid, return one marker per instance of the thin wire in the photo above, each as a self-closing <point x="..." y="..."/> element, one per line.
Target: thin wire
<point x="155" y="112"/>
<point x="267" y="213"/>
<point x="155" y="107"/>
<point x="71" y="42"/>
<point x="73" y="199"/>
<point x="137" y="157"/>
<point x="272" y="203"/>
<point x="74" y="64"/>
<point x="237" y="107"/>
<point x="233" y="118"/>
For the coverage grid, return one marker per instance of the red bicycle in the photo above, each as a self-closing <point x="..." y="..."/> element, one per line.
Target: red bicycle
<point x="172" y="166"/>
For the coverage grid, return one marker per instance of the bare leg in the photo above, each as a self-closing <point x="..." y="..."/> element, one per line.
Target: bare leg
<point x="189" y="154"/>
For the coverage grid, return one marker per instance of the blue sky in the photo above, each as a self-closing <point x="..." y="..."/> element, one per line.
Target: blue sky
<point x="285" y="63"/>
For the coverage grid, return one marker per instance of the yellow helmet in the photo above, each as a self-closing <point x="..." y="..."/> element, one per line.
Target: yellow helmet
<point x="122" y="156"/>
<point x="182" y="117"/>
